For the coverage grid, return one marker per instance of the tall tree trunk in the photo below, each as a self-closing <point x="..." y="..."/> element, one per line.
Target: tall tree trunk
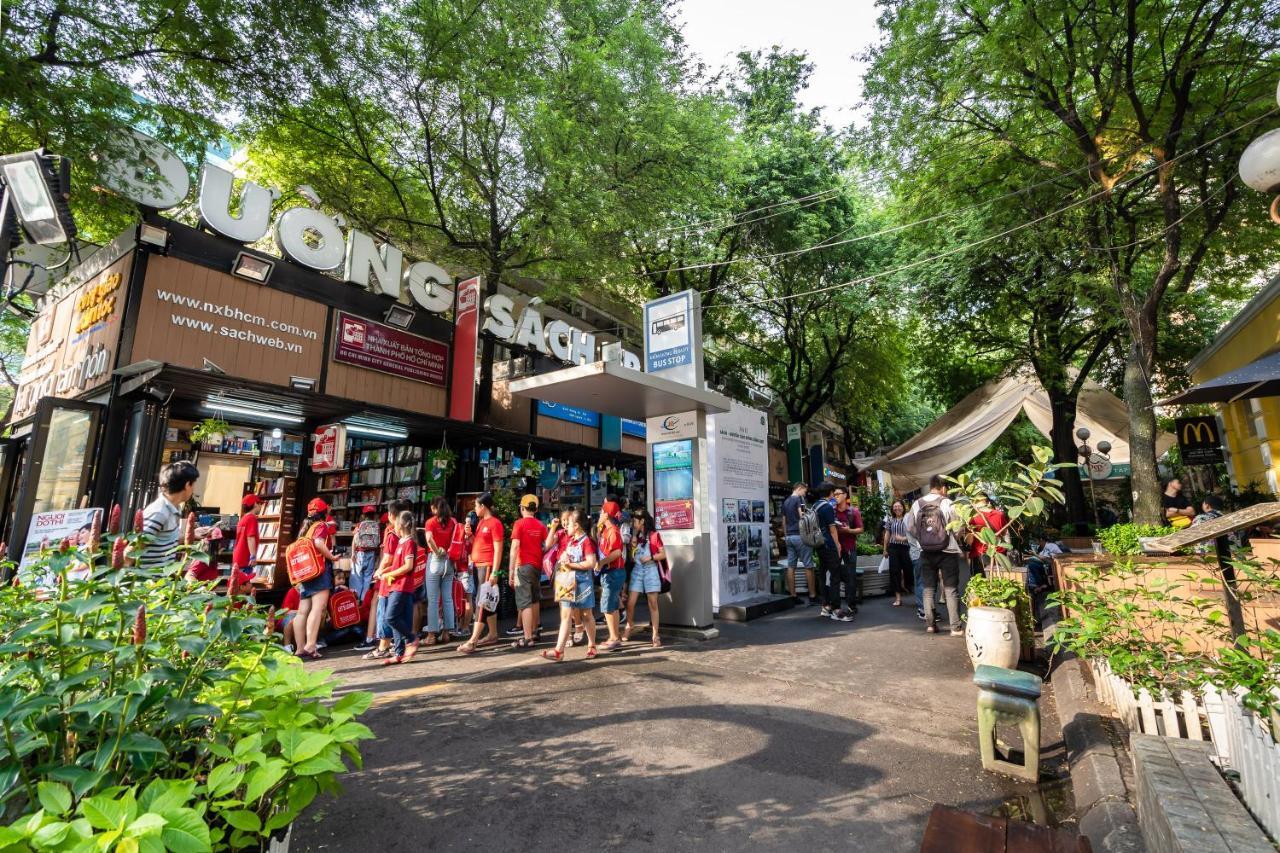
<point x="1062" y="436"/>
<point x="1142" y="424"/>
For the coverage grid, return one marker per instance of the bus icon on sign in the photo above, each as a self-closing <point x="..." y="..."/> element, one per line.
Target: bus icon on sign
<point x="663" y="325"/>
<point x="353" y="332"/>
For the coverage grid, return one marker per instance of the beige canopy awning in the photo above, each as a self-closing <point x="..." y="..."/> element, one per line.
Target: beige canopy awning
<point x="973" y="425"/>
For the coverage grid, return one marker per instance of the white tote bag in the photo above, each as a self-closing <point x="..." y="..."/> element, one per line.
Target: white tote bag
<point x="488" y="597"/>
<point x="884" y="566"/>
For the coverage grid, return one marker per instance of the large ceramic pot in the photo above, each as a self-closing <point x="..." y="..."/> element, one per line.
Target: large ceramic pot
<point x="992" y="637"/>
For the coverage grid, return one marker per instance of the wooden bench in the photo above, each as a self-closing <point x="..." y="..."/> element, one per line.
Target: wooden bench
<point x="954" y="831"/>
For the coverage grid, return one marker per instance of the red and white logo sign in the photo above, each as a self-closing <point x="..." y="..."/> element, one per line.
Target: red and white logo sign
<point x="353" y="331"/>
<point x="329" y="448"/>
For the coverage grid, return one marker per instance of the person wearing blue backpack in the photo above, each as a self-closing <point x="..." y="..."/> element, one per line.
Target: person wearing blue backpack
<point x="831" y="569"/>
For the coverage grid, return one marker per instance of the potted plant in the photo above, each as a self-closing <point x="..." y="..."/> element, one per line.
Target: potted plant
<point x="991" y="628"/>
<point x="442" y="462"/>
<point x="178" y="723"/>
<point x="1005" y="603"/>
<point x="210" y="431"/>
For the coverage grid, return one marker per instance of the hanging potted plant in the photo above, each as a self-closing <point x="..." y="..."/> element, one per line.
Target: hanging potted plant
<point x="210" y="431"/>
<point x="443" y="461"/>
<point x="530" y="468"/>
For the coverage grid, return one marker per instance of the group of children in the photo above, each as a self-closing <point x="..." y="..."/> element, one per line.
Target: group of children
<point x="430" y="584"/>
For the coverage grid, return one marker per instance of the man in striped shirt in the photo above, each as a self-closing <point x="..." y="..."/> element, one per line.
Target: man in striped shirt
<point x="162" y="518"/>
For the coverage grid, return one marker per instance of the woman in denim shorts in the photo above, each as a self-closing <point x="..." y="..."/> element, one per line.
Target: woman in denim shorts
<point x="579" y="556"/>
<point x="646" y="575"/>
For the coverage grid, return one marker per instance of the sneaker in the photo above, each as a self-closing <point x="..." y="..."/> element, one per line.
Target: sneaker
<point x="366" y="645"/>
<point x="321" y="645"/>
<point x="517" y="631"/>
<point x="929" y="629"/>
<point x="289" y="648"/>
<point x="842" y="616"/>
<point x="827" y="613"/>
<point x="920" y="614"/>
<point x="957" y="632"/>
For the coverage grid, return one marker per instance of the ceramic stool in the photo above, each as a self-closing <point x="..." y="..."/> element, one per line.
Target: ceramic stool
<point x="1009" y="696"/>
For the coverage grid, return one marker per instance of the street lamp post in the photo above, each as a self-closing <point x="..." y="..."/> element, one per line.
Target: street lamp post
<point x="36" y="187"/>
<point x="1087" y="454"/>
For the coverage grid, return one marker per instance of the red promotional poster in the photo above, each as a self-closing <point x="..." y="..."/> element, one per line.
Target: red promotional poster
<point x="466" y="334"/>
<point x="673" y="515"/>
<point x="365" y="343"/>
<point x="329" y="448"/>
<point x="344" y="609"/>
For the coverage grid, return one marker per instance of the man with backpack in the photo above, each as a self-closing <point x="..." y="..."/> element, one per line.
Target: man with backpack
<point x="830" y="566"/>
<point x="799" y="554"/>
<point x="930" y="522"/>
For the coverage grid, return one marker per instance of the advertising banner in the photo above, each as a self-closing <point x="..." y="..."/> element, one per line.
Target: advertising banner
<point x="569" y="413"/>
<point x="386" y="349"/>
<point x="329" y="448"/>
<point x="673" y="484"/>
<point x="738" y="450"/>
<point x="72" y="344"/>
<point x="633" y="428"/>
<point x="50" y="528"/>
<point x="466" y="337"/>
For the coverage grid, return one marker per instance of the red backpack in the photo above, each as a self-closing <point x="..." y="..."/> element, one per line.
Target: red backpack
<point x="344" y="609"/>
<point x="457" y="542"/>
<point x="303" y="559"/>
<point x="664" y="567"/>
<point x="419" y="574"/>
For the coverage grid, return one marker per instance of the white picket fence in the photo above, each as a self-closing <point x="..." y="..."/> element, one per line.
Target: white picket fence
<point x="1242" y="743"/>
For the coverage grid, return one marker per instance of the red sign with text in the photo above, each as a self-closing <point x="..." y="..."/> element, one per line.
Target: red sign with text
<point x="329" y="448"/>
<point x="365" y="343"/>
<point x="466" y="335"/>
<point x="673" y="515"/>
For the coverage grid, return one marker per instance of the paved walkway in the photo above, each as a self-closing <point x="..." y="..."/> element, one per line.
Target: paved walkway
<point x="789" y="733"/>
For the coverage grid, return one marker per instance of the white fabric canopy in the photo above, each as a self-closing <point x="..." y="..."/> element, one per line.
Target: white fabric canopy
<point x="973" y="425"/>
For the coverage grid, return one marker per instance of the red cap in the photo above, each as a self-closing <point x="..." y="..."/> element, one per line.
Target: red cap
<point x="249" y="501"/>
<point x="386" y="518"/>
<point x="369" y="509"/>
<point x="317" y="505"/>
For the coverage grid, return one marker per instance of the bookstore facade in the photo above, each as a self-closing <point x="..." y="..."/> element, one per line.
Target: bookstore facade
<point x="278" y="379"/>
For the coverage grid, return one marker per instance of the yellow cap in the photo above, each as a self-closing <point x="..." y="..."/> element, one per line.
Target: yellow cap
<point x="529" y="502"/>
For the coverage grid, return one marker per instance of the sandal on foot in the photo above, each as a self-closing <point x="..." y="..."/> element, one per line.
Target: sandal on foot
<point x="409" y="652"/>
<point x="522" y="643"/>
<point x="626" y="635"/>
<point x="431" y="640"/>
<point x="611" y="645"/>
<point x="591" y="653"/>
<point x="553" y="654"/>
<point x="393" y="660"/>
<point x="657" y="643"/>
<point x="378" y="654"/>
<point x="467" y="648"/>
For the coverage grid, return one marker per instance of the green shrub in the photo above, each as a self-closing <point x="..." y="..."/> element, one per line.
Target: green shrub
<point x="141" y="712"/>
<point x="1122" y="539"/>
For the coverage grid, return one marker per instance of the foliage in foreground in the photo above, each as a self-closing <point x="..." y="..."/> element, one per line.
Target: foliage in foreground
<point x="1166" y="635"/>
<point x="1123" y="540"/>
<point x="141" y="713"/>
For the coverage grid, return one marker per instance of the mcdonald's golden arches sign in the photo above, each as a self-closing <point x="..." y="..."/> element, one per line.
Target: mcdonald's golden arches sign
<point x="1198" y="440"/>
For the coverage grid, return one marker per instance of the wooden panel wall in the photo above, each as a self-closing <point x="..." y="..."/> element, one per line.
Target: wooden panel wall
<point x="383" y="389"/>
<point x="566" y="431"/>
<point x="162" y="338"/>
<point x="633" y="445"/>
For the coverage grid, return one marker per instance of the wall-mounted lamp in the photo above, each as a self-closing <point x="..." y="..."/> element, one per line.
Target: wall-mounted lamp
<point x="252" y="267"/>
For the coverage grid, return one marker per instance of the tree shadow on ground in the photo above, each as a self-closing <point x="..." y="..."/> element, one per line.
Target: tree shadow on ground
<point x="587" y="768"/>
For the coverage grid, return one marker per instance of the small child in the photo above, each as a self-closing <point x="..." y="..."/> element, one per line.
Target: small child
<point x="290" y="604"/>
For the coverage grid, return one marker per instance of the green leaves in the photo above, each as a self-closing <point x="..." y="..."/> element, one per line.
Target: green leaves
<point x="298" y="746"/>
<point x="54" y="797"/>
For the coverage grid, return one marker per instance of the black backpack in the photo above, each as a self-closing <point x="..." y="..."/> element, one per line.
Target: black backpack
<point x="931" y="527"/>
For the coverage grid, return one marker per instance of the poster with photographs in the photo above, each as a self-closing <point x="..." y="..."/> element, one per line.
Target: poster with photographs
<point x="729" y="513"/>
<point x="738" y="479"/>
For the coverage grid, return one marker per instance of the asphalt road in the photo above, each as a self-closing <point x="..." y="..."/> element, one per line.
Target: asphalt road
<point x="788" y="733"/>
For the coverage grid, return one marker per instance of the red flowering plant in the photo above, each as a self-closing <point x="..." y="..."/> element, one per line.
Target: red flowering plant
<point x="145" y="712"/>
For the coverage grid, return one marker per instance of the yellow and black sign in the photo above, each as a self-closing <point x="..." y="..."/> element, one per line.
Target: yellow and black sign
<point x="1198" y="440"/>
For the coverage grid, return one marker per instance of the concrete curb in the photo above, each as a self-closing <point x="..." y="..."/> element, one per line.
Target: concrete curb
<point x="1106" y="816"/>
